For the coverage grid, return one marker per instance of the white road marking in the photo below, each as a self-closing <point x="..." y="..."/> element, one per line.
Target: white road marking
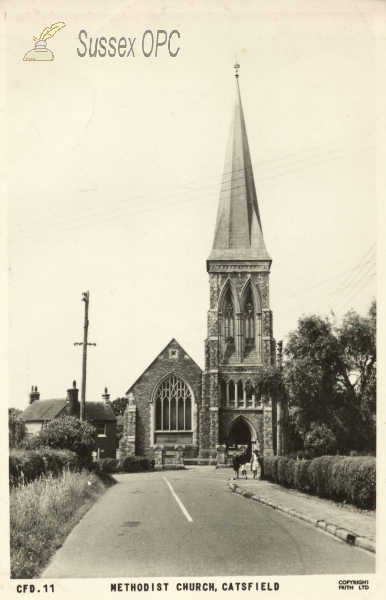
<point x="182" y="507"/>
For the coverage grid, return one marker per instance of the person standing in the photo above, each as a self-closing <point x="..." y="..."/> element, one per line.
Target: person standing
<point x="254" y="464"/>
<point x="236" y="465"/>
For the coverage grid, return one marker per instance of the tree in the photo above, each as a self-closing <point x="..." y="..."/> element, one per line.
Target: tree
<point x="330" y="374"/>
<point x="119" y="406"/>
<point x="270" y="384"/>
<point x="17" y="428"/>
<point x="69" y="433"/>
<point x="320" y="441"/>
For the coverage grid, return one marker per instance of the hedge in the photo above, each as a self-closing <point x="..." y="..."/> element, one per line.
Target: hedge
<point x="340" y="478"/>
<point x="106" y="465"/>
<point x="27" y="465"/>
<point x="136" y="464"/>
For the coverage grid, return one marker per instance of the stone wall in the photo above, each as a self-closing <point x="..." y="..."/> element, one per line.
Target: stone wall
<point x="173" y="359"/>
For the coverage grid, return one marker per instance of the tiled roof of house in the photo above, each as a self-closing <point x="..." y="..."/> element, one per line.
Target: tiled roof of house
<point x="98" y="411"/>
<point x="44" y="410"/>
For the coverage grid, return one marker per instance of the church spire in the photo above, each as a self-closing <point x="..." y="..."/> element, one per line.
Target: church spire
<point x="238" y="234"/>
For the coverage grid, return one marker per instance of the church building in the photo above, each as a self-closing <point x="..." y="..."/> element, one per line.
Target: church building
<point x="175" y="409"/>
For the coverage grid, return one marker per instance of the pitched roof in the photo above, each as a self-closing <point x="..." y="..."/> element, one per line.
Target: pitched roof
<point x="173" y="342"/>
<point x="44" y="410"/>
<point x="238" y="234"/>
<point x="98" y="411"/>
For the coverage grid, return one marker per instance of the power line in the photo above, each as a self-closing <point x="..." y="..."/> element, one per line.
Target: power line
<point x="347" y="278"/>
<point x="312" y="301"/>
<point x="198" y="181"/>
<point x="175" y="203"/>
<point x="317" y="284"/>
<point x="356" y="275"/>
<point x="360" y="289"/>
<point x="355" y="285"/>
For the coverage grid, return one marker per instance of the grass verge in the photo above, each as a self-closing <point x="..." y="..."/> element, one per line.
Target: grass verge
<point x="43" y="513"/>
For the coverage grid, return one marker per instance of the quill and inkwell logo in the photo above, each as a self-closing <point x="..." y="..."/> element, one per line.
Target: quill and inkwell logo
<point x="41" y="52"/>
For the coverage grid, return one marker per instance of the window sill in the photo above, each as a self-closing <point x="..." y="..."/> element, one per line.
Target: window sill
<point x="173" y="431"/>
<point x="102" y="435"/>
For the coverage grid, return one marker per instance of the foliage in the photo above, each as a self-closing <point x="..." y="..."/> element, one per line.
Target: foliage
<point x="27" y="465"/>
<point x="119" y="405"/>
<point x="120" y="427"/>
<point x="69" y="433"/>
<point x="270" y="382"/>
<point x="17" y="428"/>
<point x="340" y="478"/>
<point x="270" y="464"/>
<point x="320" y="440"/>
<point x="330" y="377"/>
<point x="301" y="475"/>
<point x="43" y="513"/>
<point x="137" y="464"/>
<point x="106" y="465"/>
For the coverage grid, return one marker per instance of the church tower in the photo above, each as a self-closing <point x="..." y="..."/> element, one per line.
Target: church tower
<point x="240" y="339"/>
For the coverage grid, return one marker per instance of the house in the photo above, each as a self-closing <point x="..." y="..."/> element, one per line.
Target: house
<point x="99" y="414"/>
<point x="174" y="406"/>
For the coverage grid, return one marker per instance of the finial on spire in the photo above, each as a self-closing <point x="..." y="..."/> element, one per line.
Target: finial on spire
<point x="237" y="66"/>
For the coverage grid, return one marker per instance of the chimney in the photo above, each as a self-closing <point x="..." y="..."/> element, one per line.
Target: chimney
<point x="106" y="396"/>
<point x="72" y="397"/>
<point x="34" y="394"/>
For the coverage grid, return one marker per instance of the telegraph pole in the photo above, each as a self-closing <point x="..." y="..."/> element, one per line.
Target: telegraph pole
<point x="85" y="343"/>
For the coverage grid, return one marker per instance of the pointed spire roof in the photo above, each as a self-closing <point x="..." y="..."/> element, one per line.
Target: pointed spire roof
<point x="239" y="234"/>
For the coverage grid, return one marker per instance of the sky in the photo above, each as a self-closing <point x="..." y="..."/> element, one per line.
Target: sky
<point x="114" y="169"/>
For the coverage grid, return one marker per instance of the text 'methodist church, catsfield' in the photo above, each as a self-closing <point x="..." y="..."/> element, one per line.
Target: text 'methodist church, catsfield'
<point x="173" y="404"/>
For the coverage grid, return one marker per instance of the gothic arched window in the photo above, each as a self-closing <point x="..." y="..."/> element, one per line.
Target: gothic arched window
<point x="229" y="319"/>
<point x="249" y="319"/>
<point x="173" y="405"/>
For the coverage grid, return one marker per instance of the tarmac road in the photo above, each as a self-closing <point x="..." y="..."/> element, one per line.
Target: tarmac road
<point x="189" y="523"/>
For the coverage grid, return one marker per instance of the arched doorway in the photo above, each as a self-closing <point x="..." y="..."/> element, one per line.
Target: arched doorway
<point x="240" y="433"/>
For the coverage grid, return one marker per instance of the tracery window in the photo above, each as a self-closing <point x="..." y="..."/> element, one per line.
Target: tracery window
<point x="173" y="405"/>
<point x="229" y="320"/>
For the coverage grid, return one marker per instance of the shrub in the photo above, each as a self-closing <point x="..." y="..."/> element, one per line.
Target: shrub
<point x="270" y="464"/>
<point x="106" y="465"/>
<point x="301" y="475"/>
<point x="320" y="441"/>
<point x="341" y="478"/>
<point x="137" y="464"/>
<point x="27" y="465"/>
<point x="286" y="471"/>
<point x="16" y="427"/>
<point x="354" y="480"/>
<point x="71" y="434"/>
<point x="320" y="473"/>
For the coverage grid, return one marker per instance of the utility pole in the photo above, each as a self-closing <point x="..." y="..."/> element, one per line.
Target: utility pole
<point x="85" y="343"/>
